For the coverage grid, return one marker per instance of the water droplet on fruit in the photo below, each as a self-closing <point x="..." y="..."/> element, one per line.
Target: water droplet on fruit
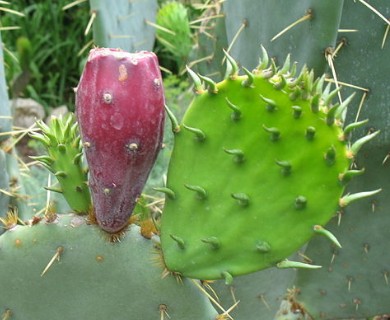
<point x="122" y="73"/>
<point x="116" y="121"/>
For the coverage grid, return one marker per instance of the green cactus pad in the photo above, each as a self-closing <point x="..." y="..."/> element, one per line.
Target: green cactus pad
<point x="302" y="28"/>
<point x="124" y="24"/>
<point x="259" y="293"/>
<point x="68" y="269"/>
<point x="5" y="110"/>
<point x="4" y="186"/>
<point x="207" y="55"/>
<point x="255" y="168"/>
<point x="355" y="281"/>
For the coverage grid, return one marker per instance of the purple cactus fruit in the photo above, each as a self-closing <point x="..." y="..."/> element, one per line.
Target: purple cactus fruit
<point x="120" y="110"/>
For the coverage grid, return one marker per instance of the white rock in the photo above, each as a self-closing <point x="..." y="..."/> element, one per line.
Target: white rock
<point x="26" y="112"/>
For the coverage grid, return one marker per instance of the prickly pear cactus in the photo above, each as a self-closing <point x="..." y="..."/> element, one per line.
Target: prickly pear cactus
<point x="5" y="125"/>
<point x="5" y="111"/>
<point x="124" y="24"/>
<point x="258" y="168"/>
<point x="258" y="293"/>
<point x="64" y="159"/>
<point x="174" y="31"/>
<point x="354" y="282"/>
<point x="120" y="111"/>
<point x="302" y="28"/>
<point x="208" y="53"/>
<point x="36" y="183"/>
<point x="79" y="274"/>
<point x="4" y="185"/>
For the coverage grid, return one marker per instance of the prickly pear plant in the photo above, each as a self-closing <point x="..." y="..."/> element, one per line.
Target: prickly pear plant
<point x="254" y="294"/>
<point x="354" y="282"/>
<point x="91" y="277"/>
<point x="248" y="26"/>
<point x="260" y="165"/>
<point x="5" y="112"/>
<point x="4" y="185"/>
<point x="123" y="89"/>
<point x="16" y="190"/>
<point x="259" y="168"/>
<point x="123" y="24"/>
<point x="5" y="128"/>
<point x="10" y="187"/>
<point x="211" y="40"/>
<point x="120" y="110"/>
<point x="338" y="36"/>
<point x="64" y="160"/>
<point x="173" y="30"/>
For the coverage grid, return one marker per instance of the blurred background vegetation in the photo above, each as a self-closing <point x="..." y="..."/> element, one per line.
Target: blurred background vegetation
<point x="46" y="45"/>
<point x="42" y="57"/>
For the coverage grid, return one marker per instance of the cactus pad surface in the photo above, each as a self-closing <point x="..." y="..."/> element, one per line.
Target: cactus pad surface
<point x="354" y="282"/>
<point x="304" y="29"/>
<point x="4" y="185"/>
<point x="256" y="171"/>
<point x="68" y="268"/>
<point x="123" y="24"/>
<point x="5" y="111"/>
